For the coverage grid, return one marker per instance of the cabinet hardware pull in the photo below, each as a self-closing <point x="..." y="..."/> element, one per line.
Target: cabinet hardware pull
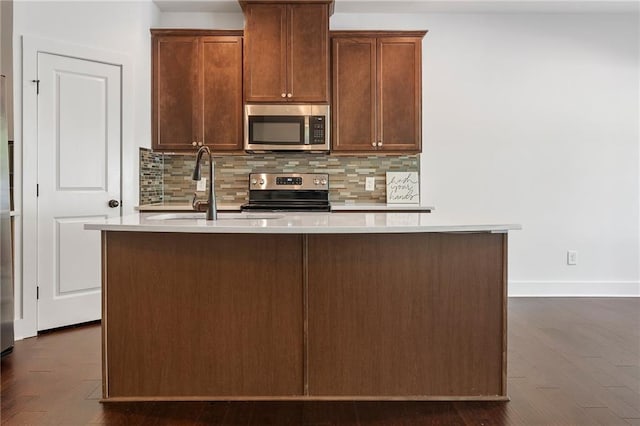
<point x="380" y="143"/>
<point x="199" y="143"/>
<point x="284" y="95"/>
<point x="194" y="143"/>
<point x="373" y="143"/>
<point x="289" y="95"/>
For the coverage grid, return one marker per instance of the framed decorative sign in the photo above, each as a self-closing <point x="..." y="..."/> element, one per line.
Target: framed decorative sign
<point x="403" y="188"/>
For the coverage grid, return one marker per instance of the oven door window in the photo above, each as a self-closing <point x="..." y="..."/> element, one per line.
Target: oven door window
<point x="276" y="130"/>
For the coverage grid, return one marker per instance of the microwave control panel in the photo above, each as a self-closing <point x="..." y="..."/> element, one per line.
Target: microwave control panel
<point x="317" y="127"/>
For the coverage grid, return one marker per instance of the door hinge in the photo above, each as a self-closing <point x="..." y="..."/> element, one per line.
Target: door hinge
<point x="37" y="189"/>
<point x="37" y="293"/>
<point x="37" y="82"/>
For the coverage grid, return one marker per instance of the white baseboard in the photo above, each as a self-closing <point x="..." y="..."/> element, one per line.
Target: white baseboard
<point x="574" y="288"/>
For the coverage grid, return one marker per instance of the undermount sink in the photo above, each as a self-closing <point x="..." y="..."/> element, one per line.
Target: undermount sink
<point x="221" y="216"/>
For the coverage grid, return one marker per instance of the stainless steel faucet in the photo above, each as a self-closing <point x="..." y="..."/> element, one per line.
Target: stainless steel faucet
<point x="212" y="213"/>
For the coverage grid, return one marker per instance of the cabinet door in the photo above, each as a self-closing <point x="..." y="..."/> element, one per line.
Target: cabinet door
<point x="221" y="93"/>
<point x="175" y="94"/>
<point x="354" y="94"/>
<point x="265" y="59"/>
<point x="308" y="62"/>
<point x="399" y="94"/>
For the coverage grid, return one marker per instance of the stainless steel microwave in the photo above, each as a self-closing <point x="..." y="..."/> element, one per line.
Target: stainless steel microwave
<point x="290" y="127"/>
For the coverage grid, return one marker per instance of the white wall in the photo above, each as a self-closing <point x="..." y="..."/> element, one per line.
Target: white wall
<point x="528" y="118"/>
<point x="202" y="20"/>
<point x="6" y="51"/>
<point x="121" y="27"/>
<point x="533" y="118"/>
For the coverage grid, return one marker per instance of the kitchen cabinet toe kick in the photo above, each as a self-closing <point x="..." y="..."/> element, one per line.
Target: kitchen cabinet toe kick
<point x="310" y="398"/>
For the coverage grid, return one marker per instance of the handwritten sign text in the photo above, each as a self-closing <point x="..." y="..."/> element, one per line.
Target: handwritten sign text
<point x="403" y="188"/>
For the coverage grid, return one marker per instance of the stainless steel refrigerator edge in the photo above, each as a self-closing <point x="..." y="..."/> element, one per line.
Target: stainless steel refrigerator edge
<point x="6" y="264"/>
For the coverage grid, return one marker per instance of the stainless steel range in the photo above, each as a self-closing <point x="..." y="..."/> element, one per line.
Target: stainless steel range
<point x="297" y="192"/>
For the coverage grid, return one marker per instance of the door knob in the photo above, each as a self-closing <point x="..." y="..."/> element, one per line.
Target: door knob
<point x="114" y="203"/>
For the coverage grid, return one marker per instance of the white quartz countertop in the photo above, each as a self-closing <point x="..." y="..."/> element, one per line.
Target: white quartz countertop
<point x="335" y="206"/>
<point x="294" y="223"/>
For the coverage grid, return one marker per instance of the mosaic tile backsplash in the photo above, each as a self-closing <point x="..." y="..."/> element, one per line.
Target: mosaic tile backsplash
<point x="151" y="168"/>
<point x="347" y="174"/>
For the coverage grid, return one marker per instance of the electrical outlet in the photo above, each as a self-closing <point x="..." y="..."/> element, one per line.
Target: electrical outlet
<point x="370" y="183"/>
<point x="202" y="184"/>
<point x="572" y="257"/>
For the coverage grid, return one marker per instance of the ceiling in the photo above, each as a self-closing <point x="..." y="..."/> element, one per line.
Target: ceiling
<point x="428" y="6"/>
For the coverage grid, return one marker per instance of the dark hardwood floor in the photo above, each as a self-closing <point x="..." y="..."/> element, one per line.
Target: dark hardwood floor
<point x="571" y="362"/>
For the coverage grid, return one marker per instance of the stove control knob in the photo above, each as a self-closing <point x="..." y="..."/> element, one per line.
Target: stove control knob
<point x="323" y="181"/>
<point x="316" y="181"/>
<point x="261" y="181"/>
<point x="254" y="181"/>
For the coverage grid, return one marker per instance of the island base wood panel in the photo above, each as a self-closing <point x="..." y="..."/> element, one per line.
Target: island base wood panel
<point x="412" y="315"/>
<point x="186" y="316"/>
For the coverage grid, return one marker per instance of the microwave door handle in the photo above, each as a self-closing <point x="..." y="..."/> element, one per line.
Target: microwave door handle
<point x="306" y="130"/>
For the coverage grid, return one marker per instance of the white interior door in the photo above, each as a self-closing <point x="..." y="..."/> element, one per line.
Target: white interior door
<point x="79" y="142"/>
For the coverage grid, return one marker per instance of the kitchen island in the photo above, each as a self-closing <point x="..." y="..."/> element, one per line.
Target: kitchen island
<point x="310" y="306"/>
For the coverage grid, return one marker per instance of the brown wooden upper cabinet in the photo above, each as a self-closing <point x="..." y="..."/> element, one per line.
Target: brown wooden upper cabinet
<point x="197" y="90"/>
<point x="377" y="92"/>
<point x="286" y="51"/>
